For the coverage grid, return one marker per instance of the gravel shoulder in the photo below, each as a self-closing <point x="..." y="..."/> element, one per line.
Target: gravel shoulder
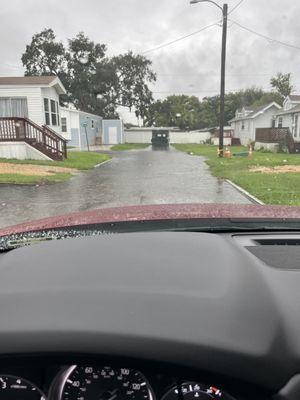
<point x="33" y="170"/>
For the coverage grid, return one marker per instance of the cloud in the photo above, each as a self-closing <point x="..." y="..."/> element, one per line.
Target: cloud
<point x="190" y="66"/>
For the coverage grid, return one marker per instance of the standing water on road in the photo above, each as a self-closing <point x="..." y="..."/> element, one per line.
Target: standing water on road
<point x="131" y="178"/>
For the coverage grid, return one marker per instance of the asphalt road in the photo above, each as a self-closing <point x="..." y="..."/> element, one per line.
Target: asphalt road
<point x="131" y="178"/>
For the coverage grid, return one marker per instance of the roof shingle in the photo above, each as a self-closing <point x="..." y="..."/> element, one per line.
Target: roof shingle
<point x="27" y="80"/>
<point x="295" y="109"/>
<point x="294" y="97"/>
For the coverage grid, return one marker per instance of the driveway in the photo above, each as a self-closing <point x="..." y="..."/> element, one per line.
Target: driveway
<point x="131" y="178"/>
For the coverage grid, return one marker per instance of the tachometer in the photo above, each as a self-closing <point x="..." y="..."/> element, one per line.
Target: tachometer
<point x="12" y="388"/>
<point x="104" y="383"/>
<point x="198" y="391"/>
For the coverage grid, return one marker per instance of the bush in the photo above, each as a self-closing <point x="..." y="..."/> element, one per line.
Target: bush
<point x="263" y="150"/>
<point x="283" y="147"/>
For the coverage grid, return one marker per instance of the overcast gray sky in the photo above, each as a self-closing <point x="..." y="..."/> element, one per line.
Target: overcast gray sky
<point x="191" y="66"/>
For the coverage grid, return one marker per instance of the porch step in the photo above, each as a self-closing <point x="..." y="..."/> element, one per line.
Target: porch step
<point x="42" y="138"/>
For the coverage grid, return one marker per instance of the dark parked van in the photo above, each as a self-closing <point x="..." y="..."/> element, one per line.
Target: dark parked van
<point x="160" y="138"/>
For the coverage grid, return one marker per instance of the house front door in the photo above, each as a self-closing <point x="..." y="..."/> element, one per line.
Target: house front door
<point x="113" y="135"/>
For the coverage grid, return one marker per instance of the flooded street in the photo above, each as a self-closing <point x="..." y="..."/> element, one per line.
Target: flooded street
<point x="130" y="178"/>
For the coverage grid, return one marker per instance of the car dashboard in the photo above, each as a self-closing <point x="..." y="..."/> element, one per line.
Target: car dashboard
<point x="87" y="378"/>
<point x="152" y="316"/>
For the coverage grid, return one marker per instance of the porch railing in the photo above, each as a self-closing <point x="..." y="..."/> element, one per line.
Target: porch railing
<point x="276" y="135"/>
<point x="42" y="138"/>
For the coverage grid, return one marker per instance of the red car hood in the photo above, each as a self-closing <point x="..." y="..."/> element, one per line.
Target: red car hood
<point x="158" y="212"/>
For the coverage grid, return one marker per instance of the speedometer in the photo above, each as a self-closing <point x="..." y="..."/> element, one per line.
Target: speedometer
<point x="104" y="383"/>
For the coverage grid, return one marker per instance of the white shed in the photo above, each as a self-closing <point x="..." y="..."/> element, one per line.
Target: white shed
<point x="112" y="131"/>
<point x="32" y="97"/>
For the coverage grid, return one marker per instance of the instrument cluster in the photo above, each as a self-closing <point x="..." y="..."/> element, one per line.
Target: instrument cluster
<point x="105" y="382"/>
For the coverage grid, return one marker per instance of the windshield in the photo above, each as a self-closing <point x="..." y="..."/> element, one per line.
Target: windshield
<point x="127" y="103"/>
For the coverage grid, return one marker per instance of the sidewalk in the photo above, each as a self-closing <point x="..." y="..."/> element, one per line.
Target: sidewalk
<point x="92" y="148"/>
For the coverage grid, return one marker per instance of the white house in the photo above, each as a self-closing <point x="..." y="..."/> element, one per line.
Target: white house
<point x="36" y="98"/>
<point x="289" y="116"/>
<point x="33" y="97"/>
<point x="249" y="118"/>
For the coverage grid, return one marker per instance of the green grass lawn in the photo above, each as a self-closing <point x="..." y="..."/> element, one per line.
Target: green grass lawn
<point x="129" y="146"/>
<point x="82" y="160"/>
<point x="281" y="188"/>
<point x="18" y="179"/>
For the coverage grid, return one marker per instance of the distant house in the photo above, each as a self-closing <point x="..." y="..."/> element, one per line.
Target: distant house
<point x="248" y="119"/>
<point x="289" y="116"/>
<point x="291" y="101"/>
<point x="228" y="136"/>
<point x="80" y="128"/>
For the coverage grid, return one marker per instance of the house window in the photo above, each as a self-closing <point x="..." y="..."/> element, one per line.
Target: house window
<point x="280" y="122"/>
<point x="243" y="125"/>
<point x="273" y="123"/>
<point x="53" y="112"/>
<point x="93" y="124"/>
<point x="64" y="124"/>
<point x="13" y="107"/>
<point x="296" y="126"/>
<point x="47" y="111"/>
<point x="57" y="111"/>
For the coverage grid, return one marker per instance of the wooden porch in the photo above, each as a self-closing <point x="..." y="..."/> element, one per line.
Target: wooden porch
<point x="43" y="138"/>
<point x="276" y="135"/>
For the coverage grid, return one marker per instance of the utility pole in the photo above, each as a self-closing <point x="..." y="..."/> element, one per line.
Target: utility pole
<point x="224" y="10"/>
<point x="222" y="91"/>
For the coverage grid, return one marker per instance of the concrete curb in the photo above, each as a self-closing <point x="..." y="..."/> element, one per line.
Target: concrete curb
<point x="104" y="162"/>
<point x="245" y="193"/>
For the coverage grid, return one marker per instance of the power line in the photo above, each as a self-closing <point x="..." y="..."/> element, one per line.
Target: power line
<point x="216" y="91"/>
<point x="236" y="6"/>
<point x="227" y="74"/>
<point x="266" y="37"/>
<point x="180" y="38"/>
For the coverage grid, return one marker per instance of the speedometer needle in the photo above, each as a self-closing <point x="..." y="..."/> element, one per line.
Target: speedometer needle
<point x="113" y="397"/>
<point x="113" y="394"/>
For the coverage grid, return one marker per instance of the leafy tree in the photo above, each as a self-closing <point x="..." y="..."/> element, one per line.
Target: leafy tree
<point x="268" y="98"/>
<point x="133" y="74"/>
<point x="83" y="60"/>
<point x="182" y="111"/>
<point x="205" y="114"/>
<point x="44" y="55"/>
<point x="282" y="84"/>
<point x="94" y="82"/>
